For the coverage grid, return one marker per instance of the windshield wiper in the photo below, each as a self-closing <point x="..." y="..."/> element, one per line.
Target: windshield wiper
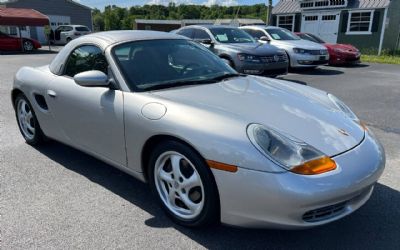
<point x="192" y="82"/>
<point x="180" y="83"/>
<point x="226" y="76"/>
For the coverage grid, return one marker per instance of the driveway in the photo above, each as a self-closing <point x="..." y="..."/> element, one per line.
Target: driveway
<point x="57" y="197"/>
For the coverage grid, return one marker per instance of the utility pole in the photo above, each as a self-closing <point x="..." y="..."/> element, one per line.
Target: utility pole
<point x="269" y="10"/>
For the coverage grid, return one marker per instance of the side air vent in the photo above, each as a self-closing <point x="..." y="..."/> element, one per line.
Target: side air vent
<point x="41" y="101"/>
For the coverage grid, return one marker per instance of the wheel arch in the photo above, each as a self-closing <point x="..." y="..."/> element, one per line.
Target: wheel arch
<point x="227" y="57"/>
<point x="154" y="141"/>
<point x="14" y="93"/>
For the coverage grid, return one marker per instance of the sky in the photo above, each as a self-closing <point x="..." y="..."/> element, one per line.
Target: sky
<point x="127" y="3"/>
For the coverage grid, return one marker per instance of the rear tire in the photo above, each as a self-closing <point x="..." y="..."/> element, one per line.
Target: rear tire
<point x="28" y="46"/>
<point x="183" y="184"/>
<point x="27" y="121"/>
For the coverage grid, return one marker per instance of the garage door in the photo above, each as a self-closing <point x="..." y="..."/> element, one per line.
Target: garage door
<point x="324" y="25"/>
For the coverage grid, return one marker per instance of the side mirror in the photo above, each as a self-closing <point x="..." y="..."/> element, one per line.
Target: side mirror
<point x="265" y="39"/>
<point x="207" y="41"/>
<point x="92" y="78"/>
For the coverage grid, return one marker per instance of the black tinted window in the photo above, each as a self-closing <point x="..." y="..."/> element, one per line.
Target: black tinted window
<point x="81" y="28"/>
<point x="200" y="35"/>
<point x="186" y="32"/>
<point x="86" y="58"/>
<point x="254" y="33"/>
<point x="67" y="28"/>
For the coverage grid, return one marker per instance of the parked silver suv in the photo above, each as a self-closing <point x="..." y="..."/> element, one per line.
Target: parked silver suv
<point x="65" y="33"/>
<point x="238" y="49"/>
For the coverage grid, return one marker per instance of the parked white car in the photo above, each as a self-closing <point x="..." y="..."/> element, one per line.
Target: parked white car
<point x="302" y="53"/>
<point x="66" y="33"/>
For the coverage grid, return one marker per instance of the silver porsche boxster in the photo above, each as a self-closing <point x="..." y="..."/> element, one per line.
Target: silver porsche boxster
<point x="214" y="145"/>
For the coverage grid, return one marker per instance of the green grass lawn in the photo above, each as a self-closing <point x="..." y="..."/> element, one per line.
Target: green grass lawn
<point x="390" y="59"/>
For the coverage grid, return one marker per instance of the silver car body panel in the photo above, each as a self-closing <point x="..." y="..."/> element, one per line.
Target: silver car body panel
<point x="114" y="126"/>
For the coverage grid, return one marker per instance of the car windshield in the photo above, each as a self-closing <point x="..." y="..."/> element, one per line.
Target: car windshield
<point x="311" y="37"/>
<point x="3" y="34"/>
<point x="319" y="40"/>
<point x="158" y="64"/>
<point x="231" y="35"/>
<point x="282" y="34"/>
<point x="82" y="28"/>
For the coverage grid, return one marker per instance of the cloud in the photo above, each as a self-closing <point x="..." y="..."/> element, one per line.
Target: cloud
<point x="166" y="2"/>
<point x="204" y="2"/>
<point x="221" y="2"/>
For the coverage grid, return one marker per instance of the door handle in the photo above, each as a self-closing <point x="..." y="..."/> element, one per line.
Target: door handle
<point x="51" y="93"/>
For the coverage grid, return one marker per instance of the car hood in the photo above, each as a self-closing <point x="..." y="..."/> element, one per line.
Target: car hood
<point x="302" y="44"/>
<point x="251" y="48"/>
<point x="346" y="47"/>
<point x="297" y="110"/>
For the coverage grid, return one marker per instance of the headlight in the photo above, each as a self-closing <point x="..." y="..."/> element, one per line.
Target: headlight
<point x="248" y="58"/>
<point x="288" y="152"/>
<point x="300" y="51"/>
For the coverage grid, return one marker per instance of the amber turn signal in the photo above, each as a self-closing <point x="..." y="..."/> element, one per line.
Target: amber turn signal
<point x="317" y="166"/>
<point x="222" y="166"/>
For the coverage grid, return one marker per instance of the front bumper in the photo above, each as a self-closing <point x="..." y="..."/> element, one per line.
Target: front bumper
<point x="286" y="200"/>
<point x="307" y="60"/>
<point x="266" y="69"/>
<point x="345" y="58"/>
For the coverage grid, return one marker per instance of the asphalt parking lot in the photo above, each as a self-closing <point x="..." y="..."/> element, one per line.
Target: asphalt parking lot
<point x="55" y="197"/>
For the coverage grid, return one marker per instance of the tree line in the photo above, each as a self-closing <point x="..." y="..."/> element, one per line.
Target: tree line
<point x="117" y="18"/>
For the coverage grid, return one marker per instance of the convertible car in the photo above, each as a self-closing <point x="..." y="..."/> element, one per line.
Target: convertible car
<point x="214" y="145"/>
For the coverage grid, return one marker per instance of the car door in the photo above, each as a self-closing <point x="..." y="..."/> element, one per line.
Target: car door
<point x="65" y="33"/>
<point x="90" y="118"/>
<point x="9" y="43"/>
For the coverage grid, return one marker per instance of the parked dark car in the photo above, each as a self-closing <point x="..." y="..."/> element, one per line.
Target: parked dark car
<point x="238" y="49"/>
<point x="338" y="53"/>
<point x="10" y="43"/>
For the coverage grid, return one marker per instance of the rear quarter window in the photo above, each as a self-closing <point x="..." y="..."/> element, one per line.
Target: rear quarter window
<point x="81" y="28"/>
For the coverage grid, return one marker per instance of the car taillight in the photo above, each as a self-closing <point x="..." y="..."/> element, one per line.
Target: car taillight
<point x="77" y="34"/>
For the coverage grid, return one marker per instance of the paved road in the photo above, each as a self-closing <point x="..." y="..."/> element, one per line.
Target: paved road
<point x="56" y="197"/>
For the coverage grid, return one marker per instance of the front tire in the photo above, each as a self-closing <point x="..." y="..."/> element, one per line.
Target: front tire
<point x="183" y="184"/>
<point x="27" y="121"/>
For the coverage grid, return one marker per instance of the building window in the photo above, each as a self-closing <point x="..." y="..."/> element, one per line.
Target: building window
<point x="13" y="31"/>
<point x="311" y="18"/>
<point x="329" y="18"/>
<point x="321" y="3"/>
<point x="286" y="22"/>
<point x="307" y="5"/>
<point x="360" y="22"/>
<point x="317" y="4"/>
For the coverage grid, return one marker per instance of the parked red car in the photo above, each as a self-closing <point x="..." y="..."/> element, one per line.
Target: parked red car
<point x="338" y="53"/>
<point x="10" y="43"/>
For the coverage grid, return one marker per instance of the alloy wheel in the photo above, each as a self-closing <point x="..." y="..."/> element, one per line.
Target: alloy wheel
<point x="25" y="119"/>
<point x="179" y="185"/>
<point x="28" y="46"/>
